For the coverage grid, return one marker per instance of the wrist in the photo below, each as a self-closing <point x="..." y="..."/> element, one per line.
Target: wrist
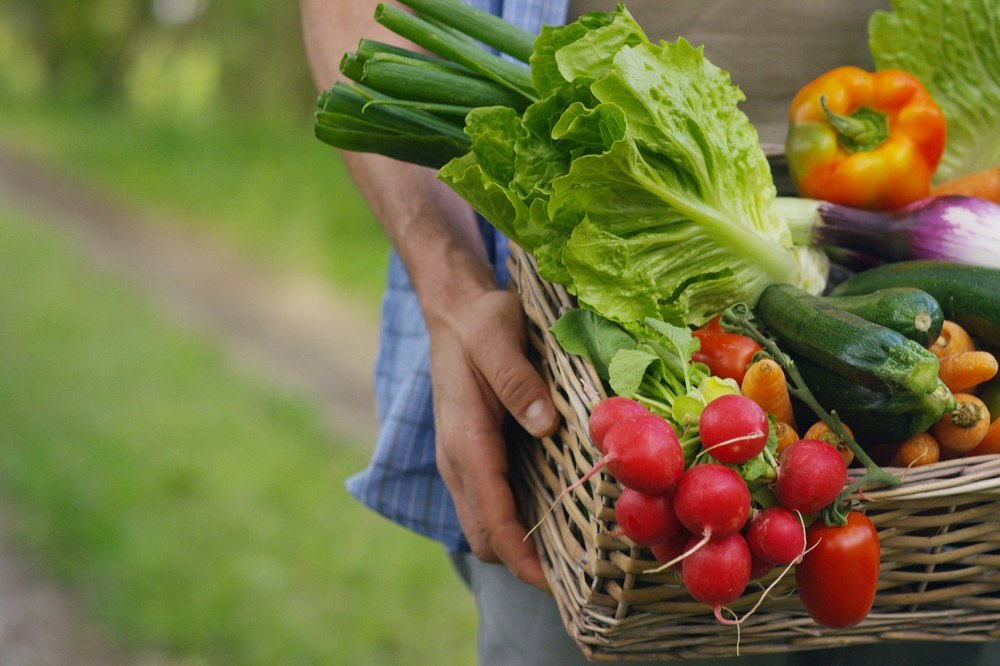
<point x="435" y="232"/>
<point x="451" y="281"/>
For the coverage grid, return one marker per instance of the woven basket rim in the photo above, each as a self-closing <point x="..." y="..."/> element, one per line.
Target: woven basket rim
<point x="939" y="529"/>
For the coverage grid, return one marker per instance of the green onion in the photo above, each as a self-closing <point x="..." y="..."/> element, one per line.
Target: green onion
<point x="407" y="78"/>
<point x="351" y="133"/>
<point x="429" y="107"/>
<point x="487" y="28"/>
<point x="463" y="52"/>
<point x="368" y="48"/>
<point x="352" y="64"/>
<point x="356" y="118"/>
<point x="412" y="106"/>
<point x="392" y="114"/>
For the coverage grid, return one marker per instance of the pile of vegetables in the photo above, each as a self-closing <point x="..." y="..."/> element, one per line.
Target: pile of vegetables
<point x="706" y="304"/>
<point x="626" y="168"/>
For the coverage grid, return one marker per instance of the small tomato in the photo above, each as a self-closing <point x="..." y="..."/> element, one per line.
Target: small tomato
<point x="838" y="576"/>
<point x="727" y="355"/>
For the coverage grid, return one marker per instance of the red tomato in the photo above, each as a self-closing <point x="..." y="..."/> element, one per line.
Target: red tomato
<point x="837" y="578"/>
<point x="727" y="355"/>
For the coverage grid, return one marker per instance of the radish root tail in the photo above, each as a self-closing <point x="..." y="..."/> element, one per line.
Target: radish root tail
<point x="570" y="488"/>
<point x="687" y="553"/>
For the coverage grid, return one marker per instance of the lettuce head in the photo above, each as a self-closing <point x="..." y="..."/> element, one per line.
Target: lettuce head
<point x="635" y="181"/>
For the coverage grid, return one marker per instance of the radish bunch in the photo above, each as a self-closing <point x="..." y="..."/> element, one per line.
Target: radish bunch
<point x="701" y="516"/>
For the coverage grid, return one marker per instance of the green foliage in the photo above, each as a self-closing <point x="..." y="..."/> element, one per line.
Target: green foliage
<point x="635" y="180"/>
<point x="176" y="58"/>
<point x="198" y="513"/>
<point x="269" y="188"/>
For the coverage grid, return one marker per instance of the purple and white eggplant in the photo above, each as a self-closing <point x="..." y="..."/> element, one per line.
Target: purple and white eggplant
<point x="960" y="229"/>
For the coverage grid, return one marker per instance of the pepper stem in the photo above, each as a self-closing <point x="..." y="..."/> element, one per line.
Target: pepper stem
<point x="863" y="130"/>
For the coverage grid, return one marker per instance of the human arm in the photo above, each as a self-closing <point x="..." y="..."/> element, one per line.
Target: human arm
<point x="479" y="371"/>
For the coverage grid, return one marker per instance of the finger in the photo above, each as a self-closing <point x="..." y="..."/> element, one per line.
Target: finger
<point x="449" y="465"/>
<point x="492" y="502"/>
<point x="518" y="553"/>
<point x="499" y="356"/>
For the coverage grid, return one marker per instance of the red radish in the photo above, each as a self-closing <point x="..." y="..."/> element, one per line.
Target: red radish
<point x="717" y="572"/>
<point x="776" y="536"/>
<point x="811" y="474"/>
<point x="712" y="500"/>
<point x="733" y="428"/>
<point x="646" y="518"/>
<point x="608" y="412"/>
<point x="643" y="452"/>
<point x="758" y="567"/>
<point x="672" y="548"/>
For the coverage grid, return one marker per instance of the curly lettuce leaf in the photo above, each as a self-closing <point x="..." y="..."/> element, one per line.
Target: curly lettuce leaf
<point x="953" y="47"/>
<point x="637" y="181"/>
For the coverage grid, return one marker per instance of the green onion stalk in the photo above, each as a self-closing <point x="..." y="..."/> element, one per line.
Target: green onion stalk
<point x="411" y="105"/>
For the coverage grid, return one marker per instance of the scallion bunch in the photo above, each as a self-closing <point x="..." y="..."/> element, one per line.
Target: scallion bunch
<point x="412" y="105"/>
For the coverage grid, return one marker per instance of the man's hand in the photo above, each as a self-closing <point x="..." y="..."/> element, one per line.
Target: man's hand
<point x="478" y="367"/>
<point x="480" y="373"/>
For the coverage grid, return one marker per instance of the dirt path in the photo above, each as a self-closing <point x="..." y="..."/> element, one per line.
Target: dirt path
<point x="40" y="625"/>
<point x="296" y="332"/>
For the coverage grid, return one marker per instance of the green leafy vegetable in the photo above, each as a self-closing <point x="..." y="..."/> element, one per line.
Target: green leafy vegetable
<point x="625" y="167"/>
<point x="637" y="181"/>
<point x="650" y="363"/>
<point x="953" y="47"/>
<point x="593" y="337"/>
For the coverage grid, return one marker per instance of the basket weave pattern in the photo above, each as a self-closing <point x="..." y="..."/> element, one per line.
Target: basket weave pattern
<point x="939" y="531"/>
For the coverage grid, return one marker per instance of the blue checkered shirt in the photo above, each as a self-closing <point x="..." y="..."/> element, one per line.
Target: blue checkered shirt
<point x="401" y="482"/>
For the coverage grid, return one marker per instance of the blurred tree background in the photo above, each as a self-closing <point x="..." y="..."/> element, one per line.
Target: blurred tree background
<point x="200" y="107"/>
<point x="195" y="60"/>
<point x="196" y="510"/>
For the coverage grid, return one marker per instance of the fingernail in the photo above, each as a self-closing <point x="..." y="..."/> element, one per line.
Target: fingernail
<point x="536" y="417"/>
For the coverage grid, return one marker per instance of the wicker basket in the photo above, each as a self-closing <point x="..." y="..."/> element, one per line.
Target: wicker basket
<point x="939" y="530"/>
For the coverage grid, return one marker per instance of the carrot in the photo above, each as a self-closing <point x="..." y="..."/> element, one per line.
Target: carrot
<point x="786" y="435"/>
<point x="821" y="431"/>
<point x="765" y="383"/>
<point x="990" y="443"/>
<point x="984" y="184"/>
<point x="952" y="340"/>
<point x="961" y="430"/>
<point x="920" y="449"/>
<point x="962" y="371"/>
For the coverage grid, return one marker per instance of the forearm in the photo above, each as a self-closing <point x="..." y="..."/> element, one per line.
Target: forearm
<point x="478" y="367"/>
<point x="433" y="229"/>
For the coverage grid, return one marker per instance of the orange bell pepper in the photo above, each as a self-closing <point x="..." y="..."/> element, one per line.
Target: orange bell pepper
<point x="862" y="139"/>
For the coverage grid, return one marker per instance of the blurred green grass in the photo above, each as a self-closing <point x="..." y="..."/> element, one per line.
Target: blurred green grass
<point x="267" y="186"/>
<point x="194" y="508"/>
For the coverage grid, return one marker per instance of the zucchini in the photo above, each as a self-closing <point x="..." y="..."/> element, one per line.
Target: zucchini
<point x="968" y="295"/>
<point x="873" y="416"/>
<point x="911" y="312"/>
<point x="867" y="353"/>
